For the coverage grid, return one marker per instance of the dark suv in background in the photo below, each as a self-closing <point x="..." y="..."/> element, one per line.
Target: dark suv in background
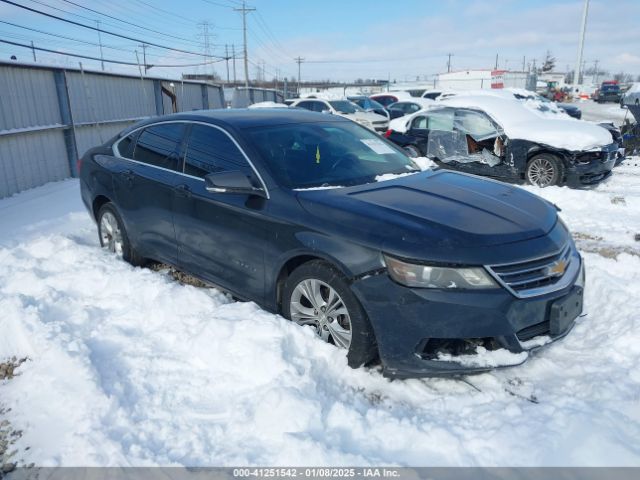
<point x="608" y="92"/>
<point x="314" y="217"/>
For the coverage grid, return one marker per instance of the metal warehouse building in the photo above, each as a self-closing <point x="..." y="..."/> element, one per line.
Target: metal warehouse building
<point x="49" y="116"/>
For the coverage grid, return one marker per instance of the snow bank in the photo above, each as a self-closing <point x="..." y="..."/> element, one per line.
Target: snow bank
<point x="129" y="367"/>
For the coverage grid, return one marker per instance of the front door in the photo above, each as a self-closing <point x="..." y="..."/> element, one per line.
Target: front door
<point x="220" y="235"/>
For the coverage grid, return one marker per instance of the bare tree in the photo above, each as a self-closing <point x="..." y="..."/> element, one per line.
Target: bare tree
<point x="623" y="77"/>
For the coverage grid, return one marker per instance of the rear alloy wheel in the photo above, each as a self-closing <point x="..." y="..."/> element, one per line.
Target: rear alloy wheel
<point x="318" y="296"/>
<point x="113" y="236"/>
<point x="412" y="151"/>
<point x="544" y="170"/>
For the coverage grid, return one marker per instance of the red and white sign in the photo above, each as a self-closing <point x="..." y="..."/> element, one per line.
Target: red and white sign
<point x="497" y="78"/>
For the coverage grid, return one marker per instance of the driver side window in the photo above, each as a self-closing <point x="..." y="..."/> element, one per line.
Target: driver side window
<point x="476" y="124"/>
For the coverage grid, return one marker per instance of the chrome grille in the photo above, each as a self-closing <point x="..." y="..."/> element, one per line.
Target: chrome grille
<point x="536" y="276"/>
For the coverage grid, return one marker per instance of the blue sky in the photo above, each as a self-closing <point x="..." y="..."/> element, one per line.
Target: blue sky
<point x="341" y="40"/>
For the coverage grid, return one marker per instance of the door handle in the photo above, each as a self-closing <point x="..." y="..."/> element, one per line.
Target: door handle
<point x="128" y="176"/>
<point x="182" y="190"/>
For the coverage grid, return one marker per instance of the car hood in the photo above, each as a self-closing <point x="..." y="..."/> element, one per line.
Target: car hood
<point x="433" y="210"/>
<point x="569" y="134"/>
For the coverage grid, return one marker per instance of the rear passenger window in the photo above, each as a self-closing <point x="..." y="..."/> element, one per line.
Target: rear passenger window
<point x="419" y="123"/>
<point x="125" y="146"/>
<point x="210" y="150"/>
<point x="306" y="105"/>
<point x="159" y="145"/>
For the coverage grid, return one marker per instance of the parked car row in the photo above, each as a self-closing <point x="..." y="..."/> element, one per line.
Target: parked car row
<point x="345" y="108"/>
<point x="314" y="217"/>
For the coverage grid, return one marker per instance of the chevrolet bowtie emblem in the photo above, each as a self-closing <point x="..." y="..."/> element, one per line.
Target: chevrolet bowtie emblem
<point x="556" y="269"/>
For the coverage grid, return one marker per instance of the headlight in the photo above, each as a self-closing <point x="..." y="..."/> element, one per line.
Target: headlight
<point x="427" y="276"/>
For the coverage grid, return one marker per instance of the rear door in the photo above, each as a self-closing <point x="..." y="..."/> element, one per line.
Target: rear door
<point x="144" y="187"/>
<point x="220" y="235"/>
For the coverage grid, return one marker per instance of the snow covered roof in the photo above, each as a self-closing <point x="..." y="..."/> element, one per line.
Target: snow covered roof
<point x="423" y="102"/>
<point x="268" y="104"/>
<point x="520" y="121"/>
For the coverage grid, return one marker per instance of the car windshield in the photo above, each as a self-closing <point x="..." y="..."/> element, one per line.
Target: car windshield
<point x="308" y="155"/>
<point x="344" y="106"/>
<point x="375" y="105"/>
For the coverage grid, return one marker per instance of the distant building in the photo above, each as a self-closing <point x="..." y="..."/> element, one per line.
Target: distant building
<point x="481" y="79"/>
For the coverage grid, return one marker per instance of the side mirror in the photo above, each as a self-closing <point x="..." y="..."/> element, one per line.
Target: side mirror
<point x="232" y="182"/>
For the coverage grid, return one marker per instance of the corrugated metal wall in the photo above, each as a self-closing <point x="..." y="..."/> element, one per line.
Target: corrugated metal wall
<point x="49" y="116"/>
<point x="97" y="98"/>
<point x="243" y="97"/>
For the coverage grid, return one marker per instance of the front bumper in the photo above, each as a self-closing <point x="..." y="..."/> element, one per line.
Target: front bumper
<point x="583" y="175"/>
<point x="407" y="320"/>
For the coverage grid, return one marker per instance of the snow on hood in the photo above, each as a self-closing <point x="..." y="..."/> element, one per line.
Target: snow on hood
<point x="519" y="121"/>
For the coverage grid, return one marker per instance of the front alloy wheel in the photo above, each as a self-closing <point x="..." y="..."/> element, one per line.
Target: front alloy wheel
<point x="412" y="151"/>
<point x="316" y="294"/>
<point x="544" y="170"/>
<point x="315" y="303"/>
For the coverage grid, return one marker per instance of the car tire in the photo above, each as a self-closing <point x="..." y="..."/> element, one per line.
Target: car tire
<point x="113" y="236"/>
<point x="412" y="151"/>
<point x="296" y="307"/>
<point x="544" y="170"/>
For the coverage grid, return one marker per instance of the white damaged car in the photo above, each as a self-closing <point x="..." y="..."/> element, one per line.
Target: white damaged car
<point x="508" y="140"/>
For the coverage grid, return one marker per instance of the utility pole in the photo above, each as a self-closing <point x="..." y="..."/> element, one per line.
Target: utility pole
<point x="144" y="57"/>
<point x="299" y="61"/>
<point x="496" y="62"/>
<point x="233" y="55"/>
<point x="33" y="50"/>
<point x="226" y="58"/>
<point x="244" y="10"/>
<point x="583" y="28"/>
<point x="100" y="43"/>
<point x="524" y="62"/>
<point x="205" y="36"/>
<point x="449" y="62"/>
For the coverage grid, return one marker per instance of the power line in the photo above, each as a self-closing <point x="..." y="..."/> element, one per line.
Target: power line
<point x="222" y="5"/>
<point x="64" y="36"/>
<point x="269" y="32"/>
<point x="91" y="19"/>
<point x="137" y="40"/>
<point x="88" y="57"/>
<point x="125" y="21"/>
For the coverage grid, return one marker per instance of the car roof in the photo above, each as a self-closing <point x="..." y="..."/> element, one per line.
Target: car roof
<point x="423" y="102"/>
<point x="243" y="117"/>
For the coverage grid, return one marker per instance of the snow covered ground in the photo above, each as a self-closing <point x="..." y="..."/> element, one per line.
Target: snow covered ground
<point x="598" y="112"/>
<point x="127" y="366"/>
